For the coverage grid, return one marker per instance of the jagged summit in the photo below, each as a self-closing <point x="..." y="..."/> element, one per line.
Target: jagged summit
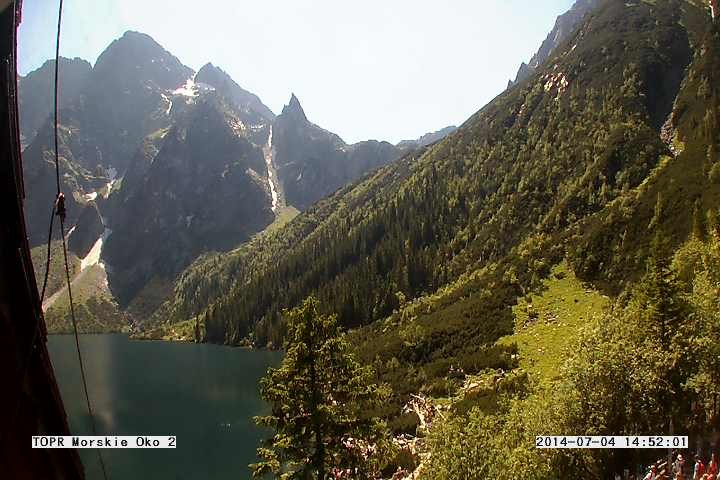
<point x="65" y="61"/>
<point x="293" y="109"/>
<point x="135" y="40"/>
<point x="137" y="57"/>
<point x="219" y="79"/>
<point x="36" y="91"/>
<point x="133" y="34"/>
<point x="564" y="27"/>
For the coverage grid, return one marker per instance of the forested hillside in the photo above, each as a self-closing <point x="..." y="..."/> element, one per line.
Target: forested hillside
<point x="160" y="165"/>
<point x="551" y="266"/>
<point x="510" y="273"/>
<point x="572" y="260"/>
<point x="541" y="170"/>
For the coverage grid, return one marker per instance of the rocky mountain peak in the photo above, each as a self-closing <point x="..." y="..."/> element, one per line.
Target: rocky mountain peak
<point x="36" y="91"/>
<point x="294" y="110"/>
<point x="212" y="75"/>
<point x="217" y="78"/>
<point x="565" y="25"/>
<point x="138" y="56"/>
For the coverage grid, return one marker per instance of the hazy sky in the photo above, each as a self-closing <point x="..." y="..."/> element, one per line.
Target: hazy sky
<point x="383" y="69"/>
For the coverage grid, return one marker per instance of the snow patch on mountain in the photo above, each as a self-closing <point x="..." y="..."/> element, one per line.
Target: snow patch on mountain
<point x="109" y="187"/>
<point x="93" y="256"/>
<point x="170" y="104"/>
<point x="204" y="87"/>
<point x="189" y="90"/>
<point x="268" y="154"/>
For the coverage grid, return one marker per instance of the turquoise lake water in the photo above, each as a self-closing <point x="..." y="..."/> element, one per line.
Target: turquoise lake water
<point x="206" y="395"/>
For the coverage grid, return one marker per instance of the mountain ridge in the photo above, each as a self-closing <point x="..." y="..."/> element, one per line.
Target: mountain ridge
<point x="312" y="162"/>
<point x="351" y="257"/>
<point x="36" y="108"/>
<point x="219" y="79"/>
<point x="113" y="129"/>
<point x="563" y="28"/>
<point x="428" y="138"/>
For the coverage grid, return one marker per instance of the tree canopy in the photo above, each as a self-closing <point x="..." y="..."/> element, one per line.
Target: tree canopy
<point x="322" y="403"/>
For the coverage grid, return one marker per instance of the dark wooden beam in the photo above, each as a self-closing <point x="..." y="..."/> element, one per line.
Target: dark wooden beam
<point x="30" y="402"/>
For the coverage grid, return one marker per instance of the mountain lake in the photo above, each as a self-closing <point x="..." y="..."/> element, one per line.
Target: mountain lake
<point x="205" y="395"/>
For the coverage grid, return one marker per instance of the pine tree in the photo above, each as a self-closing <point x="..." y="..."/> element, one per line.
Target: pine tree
<point x="711" y="220"/>
<point x="698" y="226"/>
<point x="321" y="400"/>
<point x="660" y="292"/>
<point x="663" y="312"/>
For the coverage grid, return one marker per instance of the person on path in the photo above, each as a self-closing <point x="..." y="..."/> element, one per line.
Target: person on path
<point x="678" y="466"/>
<point x="699" y="469"/>
<point x="712" y="468"/>
<point x="652" y="474"/>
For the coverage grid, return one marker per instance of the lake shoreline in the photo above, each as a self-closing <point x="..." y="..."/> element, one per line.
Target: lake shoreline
<point x="134" y="338"/>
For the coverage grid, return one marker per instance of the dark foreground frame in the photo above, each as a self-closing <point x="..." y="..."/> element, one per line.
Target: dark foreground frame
<point x="30" y="404"/>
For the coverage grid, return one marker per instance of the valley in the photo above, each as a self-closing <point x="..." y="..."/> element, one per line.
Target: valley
<point x="549" y="266"/>
<point x="155" y="188"/>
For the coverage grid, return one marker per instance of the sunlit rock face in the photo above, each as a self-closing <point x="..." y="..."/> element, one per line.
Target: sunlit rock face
<point x="565" y="25"/>
<point x="204" y="188"/>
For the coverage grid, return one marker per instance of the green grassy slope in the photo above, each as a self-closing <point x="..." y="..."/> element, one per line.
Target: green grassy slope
<point x="548" y="322"/>
<point x="56" y="275"/>
<point x="96" y="310"/>
<point x="462" y="318"/>
<point x="546" y="197"/>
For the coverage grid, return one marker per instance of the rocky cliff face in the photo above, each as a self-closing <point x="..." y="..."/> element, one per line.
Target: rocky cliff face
<point x="565" y="25"/>
<point x="247" y="102"/>
<point x="204" y="187"/>
<point x="88" y="229"/>
<point x="105" y="114"/>
<point x="180" y="160"/>
<point x="174" y="164"/>
<point x="37" y="92"/>
<point x="76" y="180"/>
<point x="313" y="162"/>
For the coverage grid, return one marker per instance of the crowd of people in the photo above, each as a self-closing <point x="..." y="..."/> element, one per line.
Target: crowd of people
<point x="681" y="469"/>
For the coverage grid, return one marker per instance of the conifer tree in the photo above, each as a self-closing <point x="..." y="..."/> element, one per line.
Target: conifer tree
<point x="663" y="314"/>
<point x="698" y="226"/>
<point x="321" y="400"/>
